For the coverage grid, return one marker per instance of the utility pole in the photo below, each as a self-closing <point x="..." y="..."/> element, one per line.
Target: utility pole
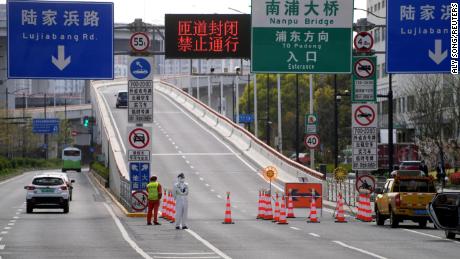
<point x="24" y="125"/>
<point x="249" y="101"/>
<point x="297" y="115"/>
<point x="390" y="124"/>
<point x="7" y="124"/>
<point x="65" y="121"/>
<point x="268" y="110"/>
<point x="336" y="125"/>
<point x="46" y="135"/>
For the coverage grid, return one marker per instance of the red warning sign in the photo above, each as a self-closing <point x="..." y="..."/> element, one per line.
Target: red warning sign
<point x="364" y="115"/>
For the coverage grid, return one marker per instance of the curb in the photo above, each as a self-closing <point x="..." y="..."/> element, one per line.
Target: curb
<point x="119" y="205"/>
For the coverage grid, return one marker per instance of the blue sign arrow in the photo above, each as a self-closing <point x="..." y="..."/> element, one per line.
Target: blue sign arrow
<point x="139" y="175"/>
<point x="65" y="40"/>
<point x="140" y="68"/>
<point x="418" y="38"/>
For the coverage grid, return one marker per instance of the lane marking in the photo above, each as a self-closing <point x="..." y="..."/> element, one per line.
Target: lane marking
<point x="207" y="185"/>
<point x="428" y="235"/>
<point x="17" y="213"/>
<point x="13" y="220"/>
<point x="186" y="161"/>
<point x="191" y="167"/>
<point x="313" y="234"/>
<point x="218" y="196"/>
<point x="295" y="228"/>
<point x="2" y="247"/>
<point x="209" y="245"/>
<point x="12" y="179"/>
<point x="359" y="250"/>
<point x="4" y="232"/>
<point x="218" y="139"/>
<point x="212" y="190"/>
<point x="201" y="179"/>
<point x="197" y="173"/>
<point x="177" y="148"/>
<point x="174" y="143"/>
<point x="1" y="238"/>
<point x="122" y="229"/>
<point x="10" y="224"/>
<point x="120" y="140"/>
<point x="15" y="217"/>
<point x="7" y="228"/>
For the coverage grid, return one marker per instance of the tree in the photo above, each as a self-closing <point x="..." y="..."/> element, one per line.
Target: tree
<point x="429" y="115"/>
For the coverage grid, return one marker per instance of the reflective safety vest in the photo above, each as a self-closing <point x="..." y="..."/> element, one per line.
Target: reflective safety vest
<point x="152" y="189"/>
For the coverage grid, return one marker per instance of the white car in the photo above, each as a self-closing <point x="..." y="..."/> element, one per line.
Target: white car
<point x="47" y="191"/>
<point x="67" y="181"/>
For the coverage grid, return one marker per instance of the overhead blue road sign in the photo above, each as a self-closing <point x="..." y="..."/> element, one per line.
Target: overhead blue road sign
<point x="246" y="118"/>
<point x="64" y="40"/>
<point x="139" y="175"/>
<point x="418" y="36"/>
<point x="45" y="126"/>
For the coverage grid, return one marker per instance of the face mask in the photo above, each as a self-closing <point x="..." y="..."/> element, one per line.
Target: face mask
<point x="181" y="180"/>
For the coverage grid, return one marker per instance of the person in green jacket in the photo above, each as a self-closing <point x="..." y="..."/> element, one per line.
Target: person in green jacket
<point x="154" y="196"/>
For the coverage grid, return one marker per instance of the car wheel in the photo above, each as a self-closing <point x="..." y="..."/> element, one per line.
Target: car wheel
<point x="79" y="170"/>
<point x="70" y="197"/>
<point x="66" y="207"/>
<point x="394" y="221"/>
<point x="450" y="235"/>
<point x="117" y="106"/>
<point x="63" y="170"/>
<point x="29" y="208"/>
<point x="422" y="223"/>
<point x="379" y="219"/>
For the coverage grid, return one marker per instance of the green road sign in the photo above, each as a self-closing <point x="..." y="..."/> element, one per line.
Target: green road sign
<point x="311" y="123"/>
<point x="312" y="36"/>
<point x="364" y="80"/>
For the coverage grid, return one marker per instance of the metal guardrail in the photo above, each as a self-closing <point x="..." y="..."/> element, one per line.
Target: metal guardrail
<point x="125" y="194"/>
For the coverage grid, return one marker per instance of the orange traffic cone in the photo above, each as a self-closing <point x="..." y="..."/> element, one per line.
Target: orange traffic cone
<point x="340" y="216"/>
<point x="277" y="210"/>
<point x="167" y="207"/>
<point x="173" y="210"/>
<point x="163" y="206"/>
<point x="283" y="211"/>
<point x="268" y="208"/>
<point x="290" y="213"/>
<point x="360" y="213"/>
<point x="367" y="210"/>
<point x="313" y="214"/>
<point x="228" y="212"/>
<point x="260" y="214"/>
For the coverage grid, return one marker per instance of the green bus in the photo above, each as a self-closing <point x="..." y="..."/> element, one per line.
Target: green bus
<point x="71" y="159"/>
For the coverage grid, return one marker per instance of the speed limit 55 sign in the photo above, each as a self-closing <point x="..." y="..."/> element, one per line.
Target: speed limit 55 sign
<point x="139" y="41"/>
<point x="312" y="141"/>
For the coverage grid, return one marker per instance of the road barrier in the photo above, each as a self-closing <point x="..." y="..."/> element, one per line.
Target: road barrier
<point x="228" y="211"/>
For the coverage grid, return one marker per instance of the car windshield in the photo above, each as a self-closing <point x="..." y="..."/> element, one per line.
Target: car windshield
<point x="71" y="153"/>
<point x="47" y="181"/>
<point x="410" y="163"/>
<point x="123" y="95"/>
<point x="414" y="186"/>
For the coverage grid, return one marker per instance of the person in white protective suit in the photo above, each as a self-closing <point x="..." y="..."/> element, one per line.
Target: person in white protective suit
<point x="180" y="193"/>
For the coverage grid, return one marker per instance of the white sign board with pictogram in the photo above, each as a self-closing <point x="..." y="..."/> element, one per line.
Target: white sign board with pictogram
<point x="139" y="200"/>
<point x="139" y="138"/>
<point x="364" y="68"/>
<point x="363" y="41"/>
<point x="364" y="136"/>
<point x="365" y="182"/>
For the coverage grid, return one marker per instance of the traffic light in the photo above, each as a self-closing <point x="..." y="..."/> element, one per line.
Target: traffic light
<point x="86" y="121"/>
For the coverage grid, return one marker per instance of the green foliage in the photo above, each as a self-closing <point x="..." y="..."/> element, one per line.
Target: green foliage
<point x="18" y="164"/>
<point x="323" y="106"/>
<point x="100" y="169"/>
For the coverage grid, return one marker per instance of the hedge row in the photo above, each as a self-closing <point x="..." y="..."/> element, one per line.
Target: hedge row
<point x="100" y="169"/>
<point x="8" y="165"/>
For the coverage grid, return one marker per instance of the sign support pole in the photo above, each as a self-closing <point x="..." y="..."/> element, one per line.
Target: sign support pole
<point x="268" y="111"/>
<point x="312" y="151"/>
<point x="237" y="101"/>
<point x="336" y="125"/>
<point x="390" y="123"/>
<point x="280" y="133"/>
<point x="209" y="91"/>
<point x="297" y="148"/>
<point x="222" y="95"/>
<point x="46" y="135"/>
<point x="256" y="121"/>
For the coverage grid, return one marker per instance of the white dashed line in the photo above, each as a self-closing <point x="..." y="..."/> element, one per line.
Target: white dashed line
<point x="173" y="143"/>
<point x="183" y="157"/>
<point x="359" y="250"/>
<point x="191" y="167"/>
<point x="186" y="161"/>
<point x="197" y="173"/>
<point x="212" y="190"/>
<point x="19" y="209"/>
<point x="170" y="139"/>
<point x="13" y="220"/>
<point x="17" y="213"/>
<point x="201" y="179"/>
<point x="295" y="228"/>
<point x="4" y="232"/>
<point x="7" y="228"/>
<point x="313" y="234"/>
<point x="10" y="224"/>
<point x="1" y="238"/>
<point x="15" y="217"/>
<point x="428" y="235"/>
<point x="207" y="185"/>
<point x="2" y="247"/>
<point x="218" y="196"/>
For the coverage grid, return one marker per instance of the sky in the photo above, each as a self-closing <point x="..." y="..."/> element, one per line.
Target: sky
<point x="152" y="11"/>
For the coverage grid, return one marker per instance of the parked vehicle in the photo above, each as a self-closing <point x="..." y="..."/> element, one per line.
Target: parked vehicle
<point x="47" y="191"/>
<point x="444" y="211"/>
<point x="404" y="197"/>
<point x="71" y="159"/>
<point x="410" y="165"/>
<point x="401" y="152"/>
<point x="122" y="99"/>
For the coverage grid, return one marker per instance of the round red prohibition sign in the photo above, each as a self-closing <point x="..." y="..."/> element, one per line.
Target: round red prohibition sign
<point x="363" y="41"/>
<point x="139" y="41"/>
<point x="365" y="182"/>
<point x="364" y="115"/>
<point x="139" y="200"/>
<point x="364" y="68"/>
<point x="139" y="138"/>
